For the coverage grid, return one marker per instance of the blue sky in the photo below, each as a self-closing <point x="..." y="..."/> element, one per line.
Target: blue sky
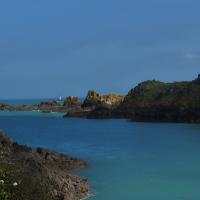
<point x="50" y="48"/>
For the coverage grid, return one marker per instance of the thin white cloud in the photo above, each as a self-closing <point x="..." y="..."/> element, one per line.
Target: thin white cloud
<point x="191" y="56"/>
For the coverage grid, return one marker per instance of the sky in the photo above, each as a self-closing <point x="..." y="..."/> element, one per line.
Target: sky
<point x="51" y="48"/>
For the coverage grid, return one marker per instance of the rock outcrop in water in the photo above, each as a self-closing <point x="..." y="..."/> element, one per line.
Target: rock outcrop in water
<point x="149" y="101"/>
<point x="72" y="101"/>
<point x="94" y="99"/>
<point x="30" y="174"/>
<point x="97" y="105"/>
<point x="158" y="101"/>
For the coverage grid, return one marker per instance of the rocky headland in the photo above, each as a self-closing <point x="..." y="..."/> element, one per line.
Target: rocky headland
<point x="150" y="100"/>
<point x="167" y="102"/>
<point x="96" y="105"/>
<point x="41" y="174"/>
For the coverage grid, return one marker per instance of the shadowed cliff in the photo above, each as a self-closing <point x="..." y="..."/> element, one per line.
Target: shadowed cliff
<point x="158" y="101"/>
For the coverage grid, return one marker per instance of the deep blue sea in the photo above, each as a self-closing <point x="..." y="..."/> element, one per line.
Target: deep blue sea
<point x="128" y="160"/>
<point x="19" y="102"/>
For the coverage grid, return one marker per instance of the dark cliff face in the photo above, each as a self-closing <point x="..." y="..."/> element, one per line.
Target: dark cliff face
<point x="92" y="99"/>
<point x="72" y="101"/>
<point x="197" y="80"/>
<point x="39" y="173"/>
<point x="96" y="105"/>
<point x="148" y="101"/>
<point x="158" y="101"/>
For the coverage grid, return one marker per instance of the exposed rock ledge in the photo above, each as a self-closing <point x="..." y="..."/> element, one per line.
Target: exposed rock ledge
<point x="94" y="99"/>
<point x="39" y="173"/>
<point x="149" y="101"/>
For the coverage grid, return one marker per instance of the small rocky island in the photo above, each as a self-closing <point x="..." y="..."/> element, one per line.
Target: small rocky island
<point x="150" y="100"/>
<point x="38" y="174"/>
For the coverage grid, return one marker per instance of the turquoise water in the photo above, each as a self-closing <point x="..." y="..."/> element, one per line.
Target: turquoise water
<point x="20" y="102"/>
<point x="131" y="161"/>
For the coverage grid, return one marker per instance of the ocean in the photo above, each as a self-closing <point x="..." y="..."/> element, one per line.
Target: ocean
<point x="128" y="160"/>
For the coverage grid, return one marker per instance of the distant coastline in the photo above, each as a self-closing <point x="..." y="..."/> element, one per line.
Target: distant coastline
<point x="149" y="101"/>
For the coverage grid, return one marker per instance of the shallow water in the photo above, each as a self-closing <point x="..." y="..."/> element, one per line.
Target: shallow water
<point x="128" y="160"/>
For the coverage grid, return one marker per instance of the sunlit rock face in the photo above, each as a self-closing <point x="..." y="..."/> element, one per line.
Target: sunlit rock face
<point x="94" y="99"/>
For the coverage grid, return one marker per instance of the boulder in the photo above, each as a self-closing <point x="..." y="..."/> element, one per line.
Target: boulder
<point x="72" y="101"/>
<point x="94" y="99"/>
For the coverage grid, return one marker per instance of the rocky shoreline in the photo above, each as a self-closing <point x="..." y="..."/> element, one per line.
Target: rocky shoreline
<point x="149" y="101"/>
<point x="41" y="174"/>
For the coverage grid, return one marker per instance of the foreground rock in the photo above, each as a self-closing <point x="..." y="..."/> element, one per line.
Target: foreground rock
<point x="39" y="174"/>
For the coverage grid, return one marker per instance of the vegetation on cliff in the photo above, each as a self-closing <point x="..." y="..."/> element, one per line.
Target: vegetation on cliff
<point x="155" y="100"/>
<point x="149" y="101"/>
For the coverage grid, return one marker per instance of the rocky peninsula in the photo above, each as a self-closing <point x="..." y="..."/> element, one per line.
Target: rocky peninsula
<point x="41" y="174"/>
<point x="151" y="100"/>
<point x="158" y="101"/>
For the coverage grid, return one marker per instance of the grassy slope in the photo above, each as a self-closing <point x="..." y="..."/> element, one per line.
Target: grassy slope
<point x="154" y="93"/>
<point x="158" y="100"/>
